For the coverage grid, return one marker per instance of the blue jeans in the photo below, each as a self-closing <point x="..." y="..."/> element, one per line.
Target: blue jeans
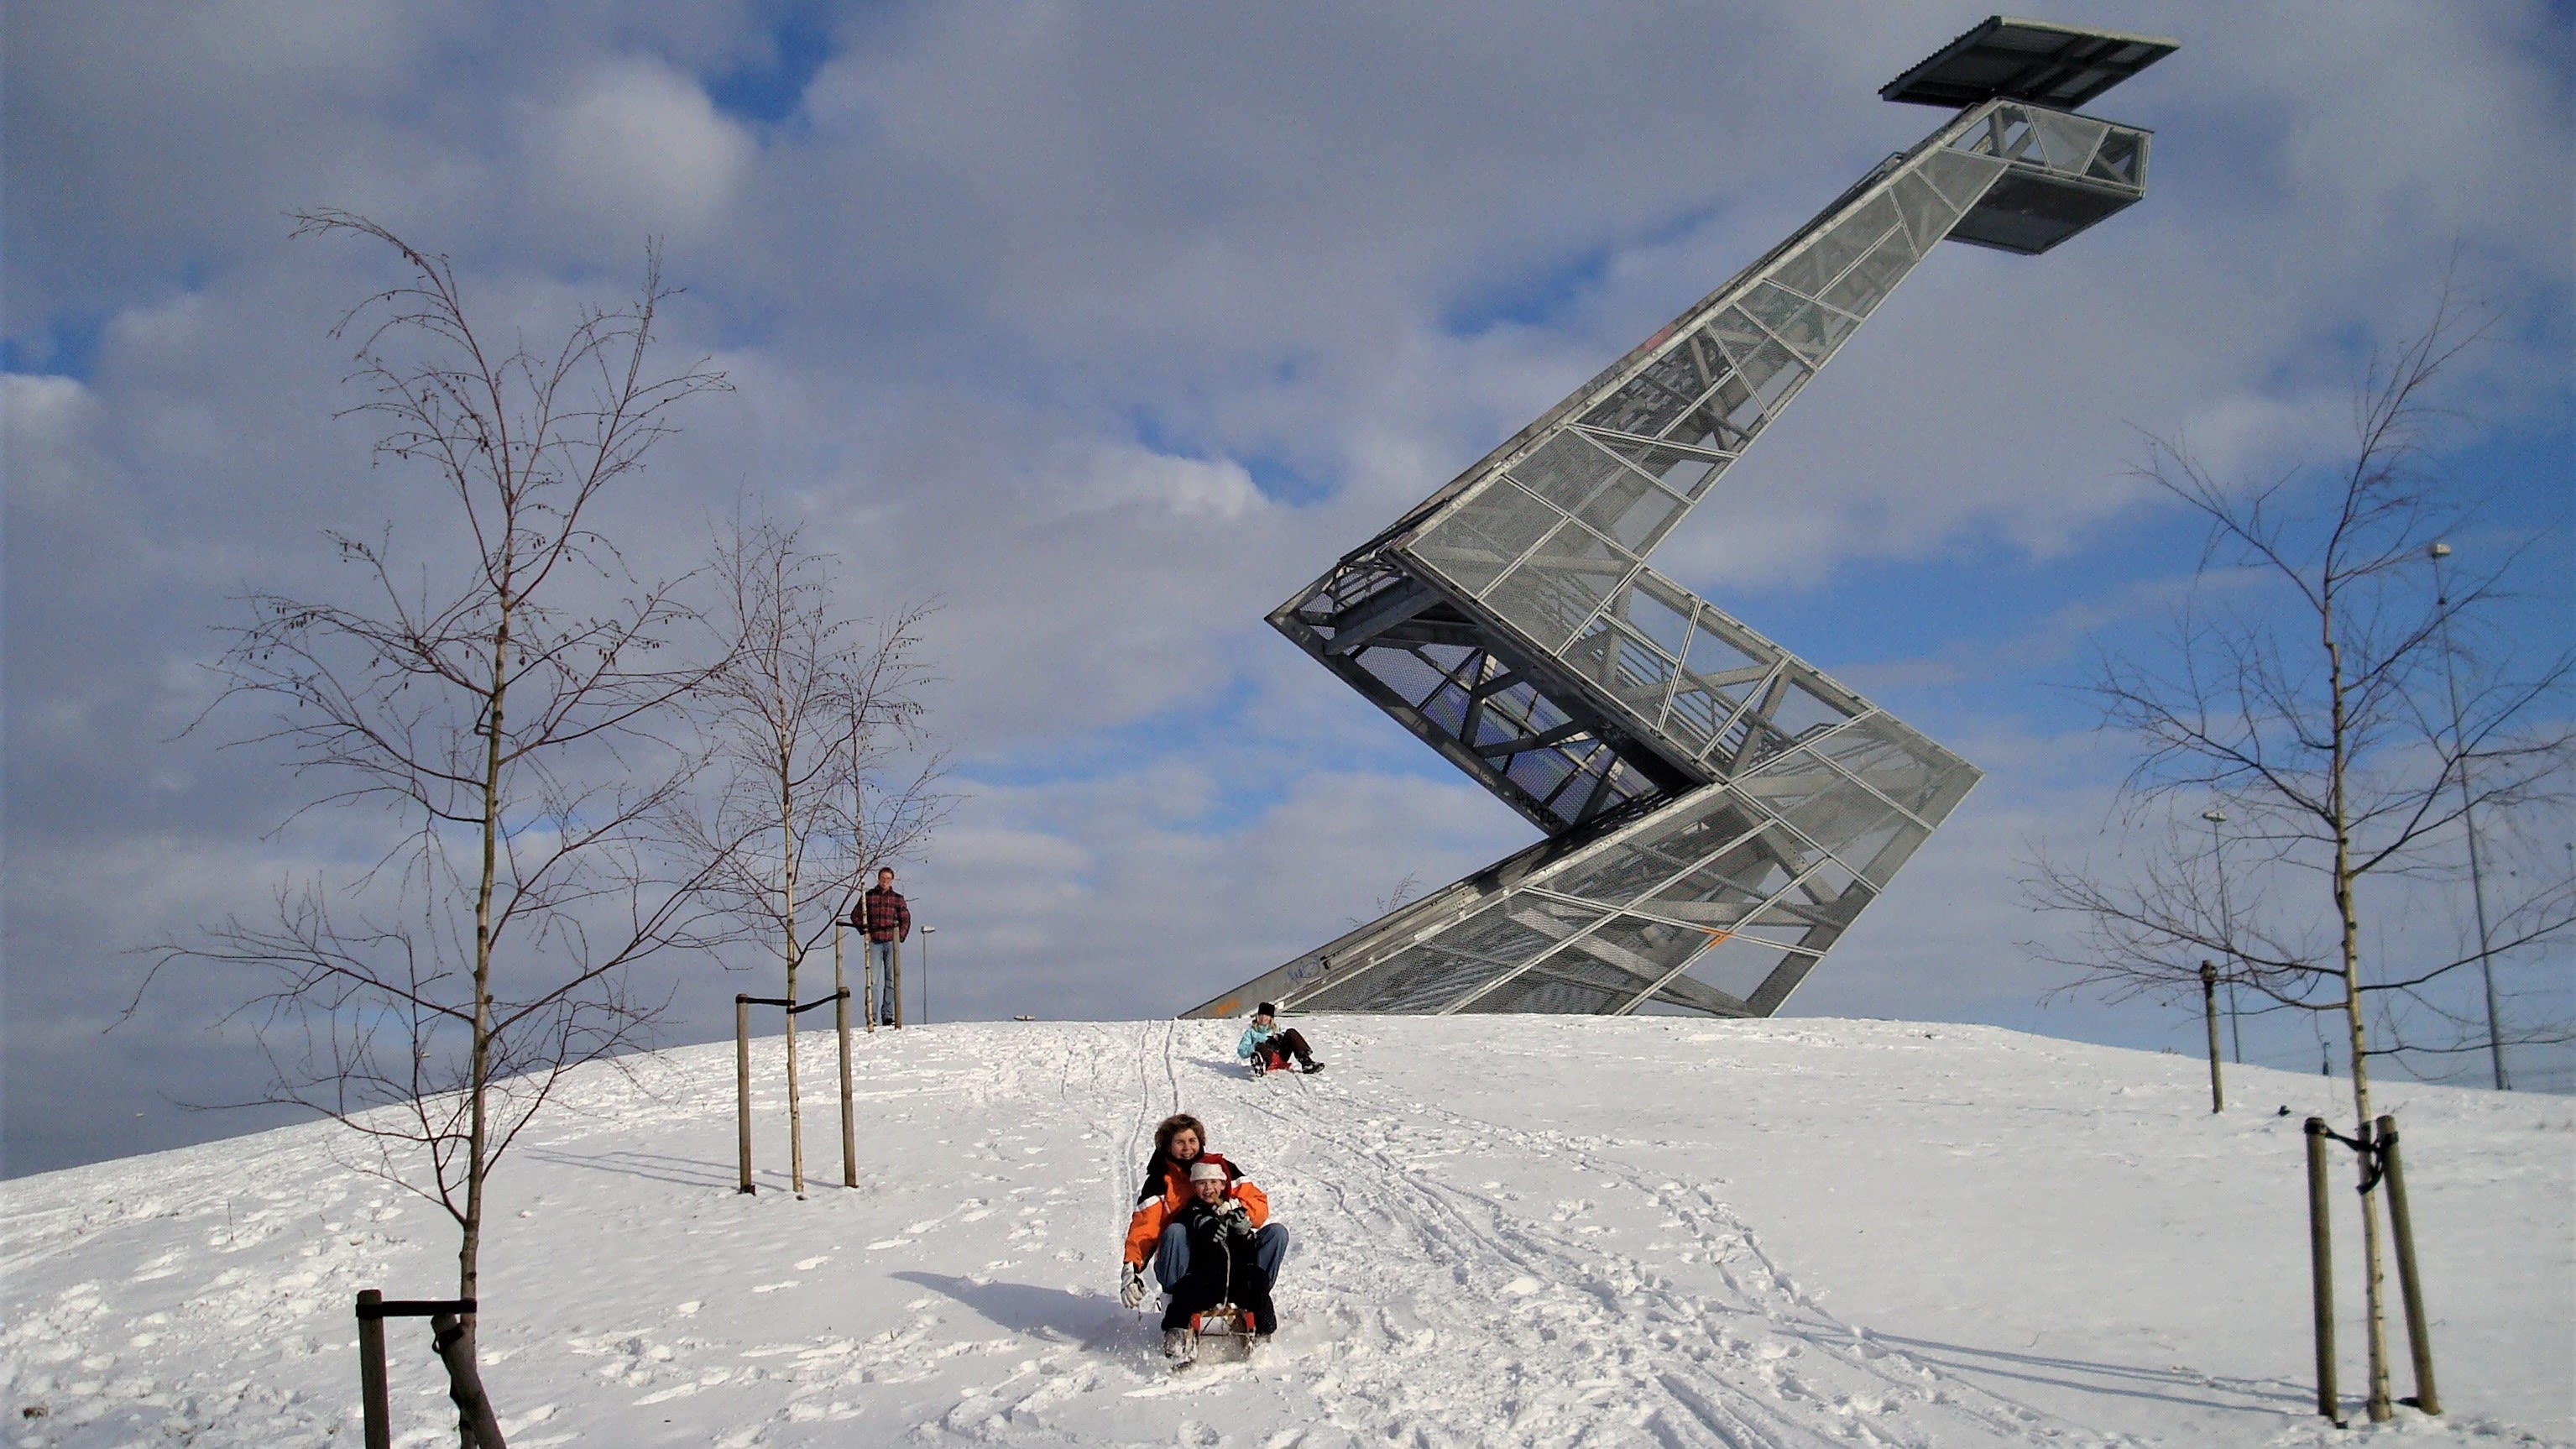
<point x="1172" y="1254"/>
<point x="885" y="959"/>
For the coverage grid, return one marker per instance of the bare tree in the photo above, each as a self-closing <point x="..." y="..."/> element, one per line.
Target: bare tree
<point x="505" y="699"/>
<point x="815" y="722"/>
<point x="2301" y="691"/>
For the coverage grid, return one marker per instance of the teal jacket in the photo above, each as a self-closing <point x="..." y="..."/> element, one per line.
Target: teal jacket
<point x="1253" y="1036"/>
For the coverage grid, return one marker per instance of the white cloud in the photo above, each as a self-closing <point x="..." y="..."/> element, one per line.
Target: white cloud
<point x="1116" y="477"/>
<point x="637" y="148"/>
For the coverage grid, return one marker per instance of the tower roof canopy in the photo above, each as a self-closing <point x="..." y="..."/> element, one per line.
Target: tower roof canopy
<point x="2061" y="66"/>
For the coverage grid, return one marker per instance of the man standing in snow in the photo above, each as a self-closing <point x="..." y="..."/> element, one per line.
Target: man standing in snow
<point x="1267" y="1047"/>
<point x="886" y="920"/>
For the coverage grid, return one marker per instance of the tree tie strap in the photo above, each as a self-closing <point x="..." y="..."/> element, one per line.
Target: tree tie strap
<point x="2374" y="1158"/>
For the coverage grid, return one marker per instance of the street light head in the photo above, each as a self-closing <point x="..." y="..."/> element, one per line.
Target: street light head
<point x="2437" y="550"/>
<point x="2214" y="817"/>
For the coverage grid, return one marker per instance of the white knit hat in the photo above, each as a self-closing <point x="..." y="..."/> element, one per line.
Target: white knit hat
<point x="1206" y="1172"/>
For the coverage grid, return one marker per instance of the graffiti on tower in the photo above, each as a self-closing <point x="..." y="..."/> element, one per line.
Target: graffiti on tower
<point x="1715" y="810"/>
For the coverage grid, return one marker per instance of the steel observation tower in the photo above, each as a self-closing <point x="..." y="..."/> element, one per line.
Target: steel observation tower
<point x="1717" y="811"/>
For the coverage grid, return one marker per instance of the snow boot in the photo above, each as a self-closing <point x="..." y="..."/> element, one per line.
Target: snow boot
<point x="1313" y="1066"/>
<point x="1180" y="1347"/>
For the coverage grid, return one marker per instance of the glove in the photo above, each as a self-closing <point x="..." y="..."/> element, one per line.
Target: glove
<point x="1131" y="1286"/>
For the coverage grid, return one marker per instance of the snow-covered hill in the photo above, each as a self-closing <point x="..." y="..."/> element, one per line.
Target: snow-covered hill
<point x="1510" y="1231"/>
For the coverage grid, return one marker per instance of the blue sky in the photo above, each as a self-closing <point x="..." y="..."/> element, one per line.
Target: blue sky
<point x="1107" y="329"/>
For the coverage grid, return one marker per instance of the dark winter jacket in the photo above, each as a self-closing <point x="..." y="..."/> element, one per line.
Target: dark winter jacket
<point x="1224" y="1267"/>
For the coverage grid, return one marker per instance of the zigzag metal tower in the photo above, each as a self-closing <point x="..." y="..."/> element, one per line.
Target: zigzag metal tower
<point x="1717" y="811"/>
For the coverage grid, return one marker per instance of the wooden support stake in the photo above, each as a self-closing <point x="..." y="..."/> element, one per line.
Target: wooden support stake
<point x="2209" y="1009"/>
<point x="742" y="1084"/>
<point x="894" y="984"/>
<point x="2321" y="1270"/>
<point x="377" y="1408"/>
<point x="849" y="1113"/>
<point x="2419" y="1337"/>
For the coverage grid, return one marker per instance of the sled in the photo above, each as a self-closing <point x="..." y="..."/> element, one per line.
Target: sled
<point x="1223" y="1324"/>
<point x="1263" y="1065"/>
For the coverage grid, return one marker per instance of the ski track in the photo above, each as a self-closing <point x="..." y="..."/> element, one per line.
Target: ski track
<point x="1441" y="1292"/>
<point x="1591" y="1302"/>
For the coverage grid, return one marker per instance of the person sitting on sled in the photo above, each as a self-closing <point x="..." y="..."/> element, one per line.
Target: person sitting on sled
<point x="1155" y="1231"/>
<point x="1268" y="1048"/>
<point x="1224" y="1263"/>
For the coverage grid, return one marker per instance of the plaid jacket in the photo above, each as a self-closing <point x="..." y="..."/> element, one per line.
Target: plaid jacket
<point x="883" y="915"/>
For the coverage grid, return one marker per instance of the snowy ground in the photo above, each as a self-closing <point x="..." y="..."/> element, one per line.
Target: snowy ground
<point x="1522" y="1230"/>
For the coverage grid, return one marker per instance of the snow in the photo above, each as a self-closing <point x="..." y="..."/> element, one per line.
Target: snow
<point x="1520" y="1230"/>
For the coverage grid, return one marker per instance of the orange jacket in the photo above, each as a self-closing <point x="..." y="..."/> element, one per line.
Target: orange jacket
<point x="1156" y="1208"/>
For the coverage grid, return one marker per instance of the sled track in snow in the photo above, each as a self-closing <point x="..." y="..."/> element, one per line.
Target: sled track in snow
<point x="1468" y="1271"/>
<point x="1418" y="1308"/>
<point x="1414" y="1280"/>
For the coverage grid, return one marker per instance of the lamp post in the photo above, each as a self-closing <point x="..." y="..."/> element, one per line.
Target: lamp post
<point x="2468" y="822"/>
<point x="2218" y="849"/>
<point x="2209" y="1014"/>
<point x="926" y="933"/>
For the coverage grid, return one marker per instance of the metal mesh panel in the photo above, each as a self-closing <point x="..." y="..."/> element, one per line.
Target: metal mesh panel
<point x="1686" y="473"/>
<point x="1633" y="511"/>
<point x="1833" y="811"/>
<point x="1658" y="611"/>
<point x="1632" y="670"/>
<point x="2068" y="142"/>
<point x="1813" y="267"/>
<point x="1927" y="214"/>
<point x="1541" y="772"/>
<point x="1653" y="852"/>
<point x="1959" y="177"/>
<point x="1567" y="470"/>
<point x="1902" y="765"/>
<point x="1880" y="852"/>
<point x="1401" y="670"/>
<point x="1477" y="541"/>
<point x="1809" y="328"/>
<point x="1655" y="396"/>
<point x="1537" y="991"/>
<point x="1645" y="950"/>
<point x="1555" y="589"/>
<point x="1416" y="980"/>
<point x="2120" y="159"/>
<point x="1867" y="284"/>
<point x="1447" y="708"/>
<point x="1748" y="872"/>
<point x="1737" y="966"/>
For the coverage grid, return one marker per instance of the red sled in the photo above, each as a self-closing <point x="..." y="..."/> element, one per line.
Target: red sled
<point x="1225" y="1323"/>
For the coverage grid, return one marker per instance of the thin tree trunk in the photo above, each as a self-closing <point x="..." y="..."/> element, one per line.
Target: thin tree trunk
<point x="2374" y="1311"/>
<point x="795" y="1093"/>
<point x="470" y="1248"/>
